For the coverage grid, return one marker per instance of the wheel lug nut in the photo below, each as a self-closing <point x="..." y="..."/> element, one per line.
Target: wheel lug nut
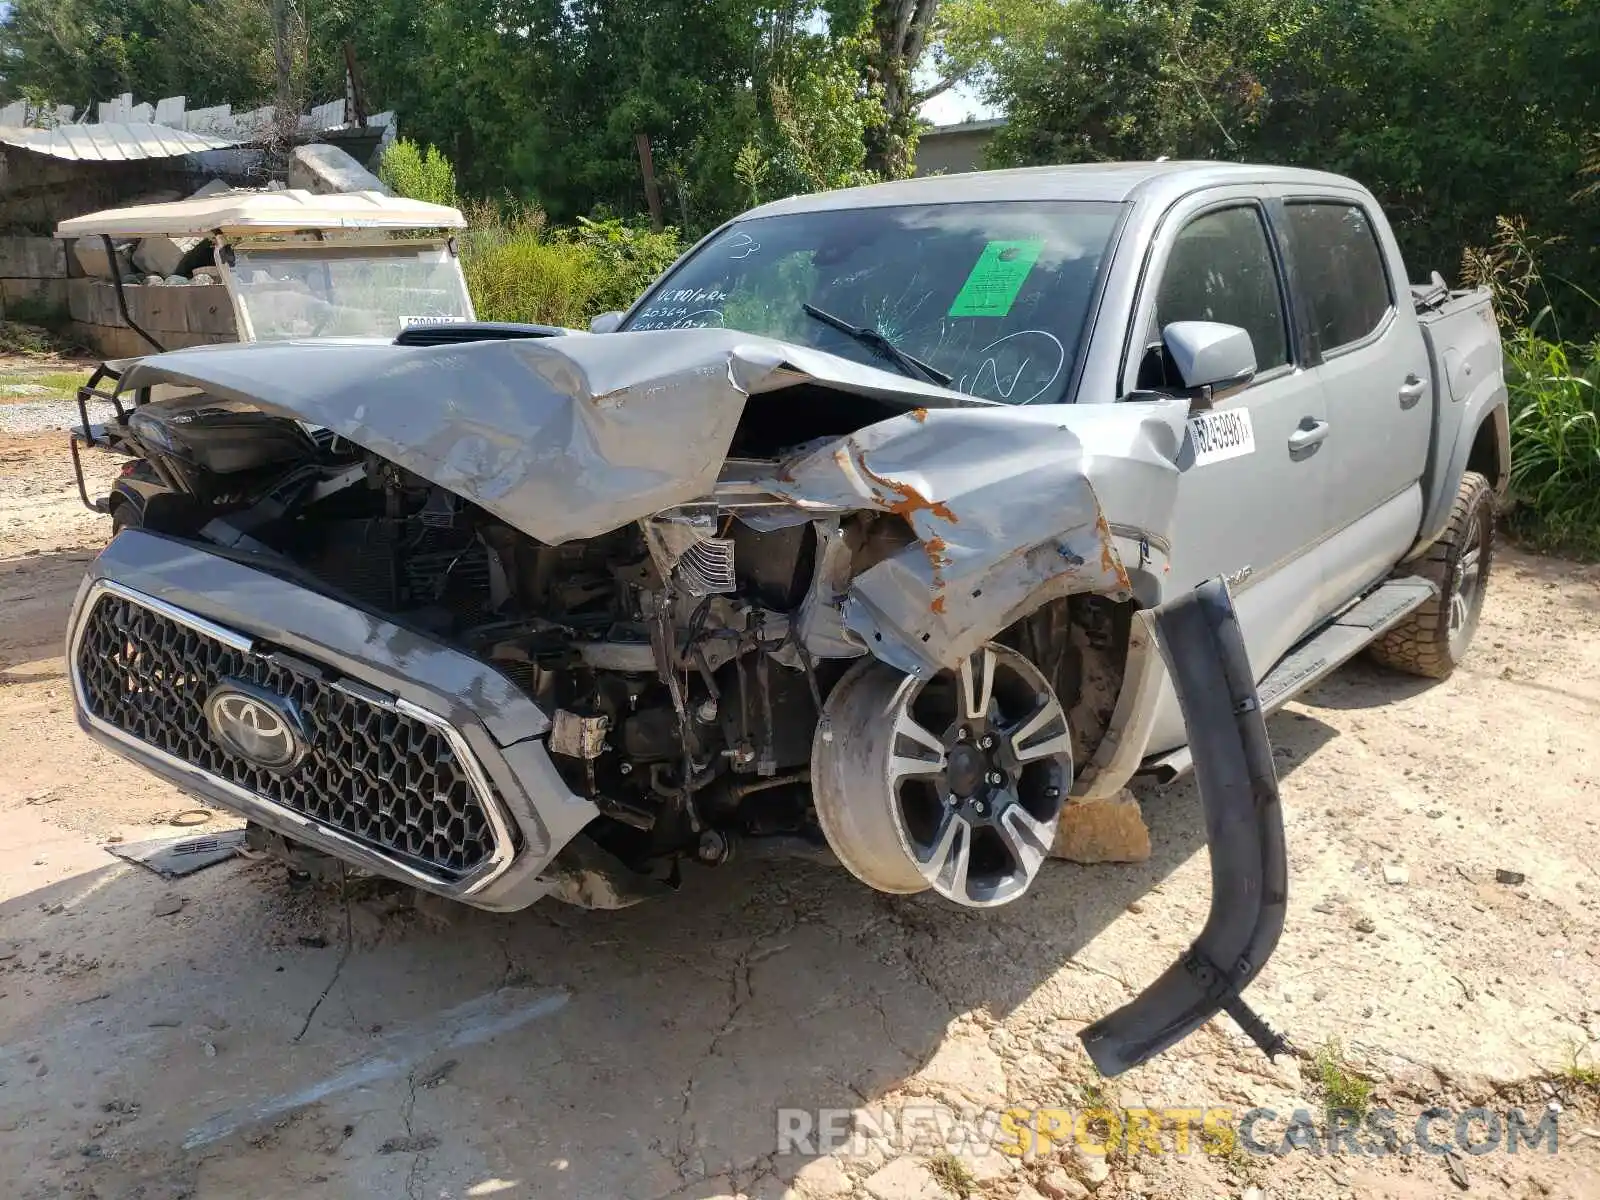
<point x="963" y="734"/>
<point x="979" y="807"/>
<point x="986" y="742"/>
<point x="995" y="778"/>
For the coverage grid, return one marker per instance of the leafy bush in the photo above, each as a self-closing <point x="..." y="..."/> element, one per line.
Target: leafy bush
<point x="626" y="259"/>
<point x="1554" y="392"/>
<point x="417" y="174"/>
<point x="518" y="270"/>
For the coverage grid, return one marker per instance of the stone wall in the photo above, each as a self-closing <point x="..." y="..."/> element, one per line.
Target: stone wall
<point x="33" y="279"/>
<point x="196" y="314"/>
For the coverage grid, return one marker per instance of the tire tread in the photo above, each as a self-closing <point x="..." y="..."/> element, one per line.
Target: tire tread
<point x="1420" y="645"/>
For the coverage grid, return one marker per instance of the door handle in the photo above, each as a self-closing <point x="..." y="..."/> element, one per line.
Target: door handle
<point x="1310" y="434"/>
<point x="1412" y="389"/>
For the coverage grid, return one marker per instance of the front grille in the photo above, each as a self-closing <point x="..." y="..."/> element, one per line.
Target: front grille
<point x="384" y="778"/>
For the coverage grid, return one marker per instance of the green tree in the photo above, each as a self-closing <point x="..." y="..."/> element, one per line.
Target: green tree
<point x="79" y="51"/>
<point x="1452" y="111"/>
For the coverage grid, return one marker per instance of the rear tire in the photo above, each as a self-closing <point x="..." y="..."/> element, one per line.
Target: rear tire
<point x="1433" y="640"/>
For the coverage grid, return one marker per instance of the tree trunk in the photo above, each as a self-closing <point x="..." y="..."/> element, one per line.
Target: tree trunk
<point x="899" y="36"/>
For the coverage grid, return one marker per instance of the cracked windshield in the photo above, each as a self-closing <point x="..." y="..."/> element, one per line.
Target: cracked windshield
<point x="360" y="292"/>
<point x="992" y="296"/>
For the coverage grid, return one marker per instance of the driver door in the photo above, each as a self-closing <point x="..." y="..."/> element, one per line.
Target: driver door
<point x="1251" y="496"/>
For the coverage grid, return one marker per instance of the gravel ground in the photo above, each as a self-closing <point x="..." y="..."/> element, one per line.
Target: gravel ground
<point x="227" y="1035"/>
<point x="37" y="395"/>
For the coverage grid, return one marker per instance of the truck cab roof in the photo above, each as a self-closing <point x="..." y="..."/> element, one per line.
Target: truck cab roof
<point x="1157" y="182"/>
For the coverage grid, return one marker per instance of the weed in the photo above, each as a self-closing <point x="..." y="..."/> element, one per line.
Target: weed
<point x="952" y="1174"/>
<point x="1342" y="1089"/>
<point x="19" y="337"/>
<point x="67" y="382"/>
<point x="1580" y="1074"/>
<point x="1228" y="1151"/>
<point x="1555" y="441"/>
<point x="1554" y="390"/>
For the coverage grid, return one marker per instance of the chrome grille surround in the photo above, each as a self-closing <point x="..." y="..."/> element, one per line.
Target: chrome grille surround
<point x="383" y="776"/>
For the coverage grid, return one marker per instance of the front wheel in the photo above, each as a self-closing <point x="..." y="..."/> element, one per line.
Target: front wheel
<point x="125" y="516"/>
<point x="1433" y="640"/>
<point x="952" y="783"/>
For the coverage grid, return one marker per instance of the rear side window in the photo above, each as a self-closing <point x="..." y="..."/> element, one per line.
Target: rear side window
<point x="1339" y="266"/>
<point x="1221" y="269"/>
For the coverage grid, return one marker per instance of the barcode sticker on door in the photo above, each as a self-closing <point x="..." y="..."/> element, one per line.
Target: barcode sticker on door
<point x="1221" y="435"/>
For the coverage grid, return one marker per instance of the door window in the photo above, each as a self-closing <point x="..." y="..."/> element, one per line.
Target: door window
<point x="1220" y="269"/>
<point x="1340" y="268"/>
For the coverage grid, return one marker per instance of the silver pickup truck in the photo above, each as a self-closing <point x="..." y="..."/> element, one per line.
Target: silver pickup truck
<point x="850" y="539"/>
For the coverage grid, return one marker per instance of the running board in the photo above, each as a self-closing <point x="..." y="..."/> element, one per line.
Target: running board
<point x="1314" y="659"/>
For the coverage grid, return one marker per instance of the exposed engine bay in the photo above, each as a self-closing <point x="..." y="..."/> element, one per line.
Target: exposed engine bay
<point x="668" y="653"/>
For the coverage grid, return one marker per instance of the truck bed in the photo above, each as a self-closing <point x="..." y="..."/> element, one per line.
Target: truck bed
<point x="1462" y="337"/>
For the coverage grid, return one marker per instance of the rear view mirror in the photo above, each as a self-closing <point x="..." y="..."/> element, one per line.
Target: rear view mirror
<point x="606" y="322"/>
<point x="1211" y="358"/>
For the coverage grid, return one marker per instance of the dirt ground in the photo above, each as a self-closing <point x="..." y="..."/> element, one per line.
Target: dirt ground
<point x="226" y="1035"/>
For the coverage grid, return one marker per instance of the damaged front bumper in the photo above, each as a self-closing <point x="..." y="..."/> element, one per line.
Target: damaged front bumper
<point x="163" y="611"/>
<point x="476" y="810"/>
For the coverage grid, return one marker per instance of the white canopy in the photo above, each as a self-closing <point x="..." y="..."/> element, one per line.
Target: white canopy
<point x="263" y="212"/>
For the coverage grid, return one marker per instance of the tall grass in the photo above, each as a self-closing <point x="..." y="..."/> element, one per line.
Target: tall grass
<point x="1555" y="441"/>
<point x="1554" y="392"/>
<point x="519" y="269"/>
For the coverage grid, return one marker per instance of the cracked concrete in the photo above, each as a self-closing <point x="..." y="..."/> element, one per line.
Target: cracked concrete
<point x="643" y="1055"/>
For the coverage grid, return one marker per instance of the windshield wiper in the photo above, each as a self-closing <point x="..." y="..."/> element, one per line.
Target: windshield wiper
<point x="874" y="340"/>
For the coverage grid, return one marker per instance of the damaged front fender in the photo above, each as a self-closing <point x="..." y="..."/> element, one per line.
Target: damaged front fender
<point x="1008" y="507"/>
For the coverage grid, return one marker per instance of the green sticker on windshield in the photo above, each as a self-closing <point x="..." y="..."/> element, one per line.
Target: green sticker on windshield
<point x="991" y="289"/>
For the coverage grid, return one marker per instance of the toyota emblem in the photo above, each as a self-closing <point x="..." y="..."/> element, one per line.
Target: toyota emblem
<point x="259" y="727"/>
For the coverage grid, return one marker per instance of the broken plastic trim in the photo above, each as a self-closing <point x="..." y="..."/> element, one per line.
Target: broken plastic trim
<point x="1200" y="639"/>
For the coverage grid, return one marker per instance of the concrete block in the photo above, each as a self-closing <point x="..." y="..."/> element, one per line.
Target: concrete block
<point x="80" y="299"/>
<point x="199" y="309"/>
<point x="207" y="310"/>
<point x="161" y="255"/>
<point x="93" y="301"/>
<point x="90" y="255"/>
<point x="179" y="341"/>
<point x="110" y="341"/>
<point x="215" y="187"/>
<point x="325" y="170"/>
<point x="158" y="308"/>
<point x="32" y="258"/>
<point x="26" y="299"/>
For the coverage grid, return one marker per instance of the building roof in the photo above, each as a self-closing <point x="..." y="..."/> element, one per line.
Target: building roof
<point x="978" y="125"/>
<point x="285" y="211"/>
<point x="128" y="141"/>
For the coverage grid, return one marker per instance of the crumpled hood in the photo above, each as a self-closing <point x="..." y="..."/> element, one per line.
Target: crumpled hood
<point x="562" y="438"/>
<point x="571" y="437"/>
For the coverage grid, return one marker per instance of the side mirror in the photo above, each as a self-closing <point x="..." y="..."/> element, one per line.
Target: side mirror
<point x="607" y="322"/>
<point x="1211" y="358"/>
